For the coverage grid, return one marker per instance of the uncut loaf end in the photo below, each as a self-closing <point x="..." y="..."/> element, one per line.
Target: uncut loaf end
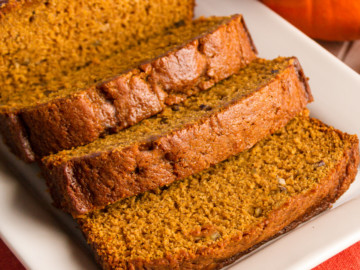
<point x="53" y="111"/>
<point x="184" y="139"/>
<point x="210" y="219"/>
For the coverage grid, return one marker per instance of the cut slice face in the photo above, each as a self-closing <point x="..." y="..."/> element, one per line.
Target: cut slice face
<point x="208" y="219"/>
<point x="67" y="108"/>
<point x="184" y="139"/>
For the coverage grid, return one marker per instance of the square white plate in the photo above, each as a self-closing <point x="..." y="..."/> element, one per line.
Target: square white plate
<point x="44" y="238"/>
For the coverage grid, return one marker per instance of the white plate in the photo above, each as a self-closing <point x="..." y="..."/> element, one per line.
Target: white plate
<point x="43" y="238"/>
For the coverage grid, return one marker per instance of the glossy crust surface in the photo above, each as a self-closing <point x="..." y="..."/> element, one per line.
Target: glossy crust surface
<point x="92" y="181"/>
<point x="298" y="209"/>
<point x="131" y="96"/>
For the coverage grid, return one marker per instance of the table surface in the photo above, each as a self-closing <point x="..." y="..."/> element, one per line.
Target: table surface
<point x="349" y="53"/>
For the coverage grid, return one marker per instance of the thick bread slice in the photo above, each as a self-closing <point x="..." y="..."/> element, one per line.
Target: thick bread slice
<point x="182" y="140"/>
<point x="85" y="104"/>
<point x="208" y="220"/>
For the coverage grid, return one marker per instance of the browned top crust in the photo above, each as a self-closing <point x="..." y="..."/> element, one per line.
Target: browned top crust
<point x="129" y="97"/>
<point x="90" y="181"/>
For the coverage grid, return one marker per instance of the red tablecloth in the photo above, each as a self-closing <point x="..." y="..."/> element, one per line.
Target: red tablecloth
<point x="349" y="259"/>
<point x="7" y="260"/>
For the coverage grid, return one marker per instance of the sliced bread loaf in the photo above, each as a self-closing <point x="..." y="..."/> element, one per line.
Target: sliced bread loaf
<point x="184" y="139"/>
<point x="210" y="219"/>
<point x="66" y="108"/>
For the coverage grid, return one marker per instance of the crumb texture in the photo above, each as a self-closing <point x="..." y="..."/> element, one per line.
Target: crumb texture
<point x="222" y="203"/>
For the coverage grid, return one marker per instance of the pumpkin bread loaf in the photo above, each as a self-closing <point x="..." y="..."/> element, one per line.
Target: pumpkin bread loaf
<point x="184" y="139"/>
<point x="210" y="219"/>
<point x="56" y="109"/>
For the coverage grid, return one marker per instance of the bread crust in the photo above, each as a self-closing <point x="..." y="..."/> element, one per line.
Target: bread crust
<point x="297" y="210"/>
<point x="90" y="182"/>
<point x="128" y="98"/>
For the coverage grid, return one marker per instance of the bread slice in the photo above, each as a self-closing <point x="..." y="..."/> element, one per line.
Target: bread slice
<point x="59" y="110"/>
<point x="40" y="38"/>
<point x="208" y="220"/>
<point x="42" y="31"/>
<point x="182" y="140"/>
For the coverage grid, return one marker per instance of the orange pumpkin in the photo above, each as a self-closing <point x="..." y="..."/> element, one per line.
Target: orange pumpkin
<point x="321" y="19"/>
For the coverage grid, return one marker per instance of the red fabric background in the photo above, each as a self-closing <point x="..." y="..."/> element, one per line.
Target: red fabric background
<point x="349" y="259"/>
<point x="7" y="259"/>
